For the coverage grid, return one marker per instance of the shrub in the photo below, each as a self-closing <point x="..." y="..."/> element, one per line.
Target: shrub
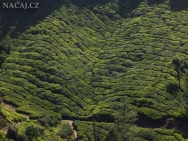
<point x="124" y="119"/>
<point x="172" y="87"/>
<point x="45" y="121"/>
<point x="112" y="135"/>
<point x="33" y="132"/>
<point x="52" y="138"/>
<point x="66" y="131"/>
<point x="22" y="137"/>
<point x="177" y="61"/>
<point x="49" y="121"/>
<point x="12" y="132"/>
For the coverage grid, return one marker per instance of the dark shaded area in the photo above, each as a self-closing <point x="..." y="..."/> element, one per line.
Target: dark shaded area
<point x="101" y="118"/>
<point x="10" y="103"/>
<point x="17" y="20"/>
<point x="4" y="51"/>
<point x="97" y="118"/>
<point x="65" y="117"/>
<point x="105" y="118"/>
<point x="179" y="124"/>
<point x="126" y="6"/>
<point x="147" y="122"/>
<point x="177" y="5"/>
<point x="87" y="3"/>
<point x="153" y="2"/>
<point x="12" y="132"/>
<point x="172" y="88"/>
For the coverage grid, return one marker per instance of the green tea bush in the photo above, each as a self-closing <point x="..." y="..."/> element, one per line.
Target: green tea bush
<point x="80" y="59"/>
<point x="66" y="131"/>
<point x="49" y="121"/>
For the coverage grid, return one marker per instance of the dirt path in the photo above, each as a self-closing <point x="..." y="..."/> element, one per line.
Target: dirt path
<point x="12" y="108"/>
<point x="74" y="131"/>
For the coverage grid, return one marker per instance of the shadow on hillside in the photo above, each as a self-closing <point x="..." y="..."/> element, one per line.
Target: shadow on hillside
<point x="147" y="122"/>
<point x="172" y="89"/>
<point x="175" y="5"/>
<point x="178" y="5"/>
<point x="153" y="2"/>
<point x="88" y="3"/>
<point x="127" y="6"/>
<point x="19" y="19"/>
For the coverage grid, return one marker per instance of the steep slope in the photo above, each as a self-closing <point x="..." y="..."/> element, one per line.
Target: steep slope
<point x="80" y="61"/>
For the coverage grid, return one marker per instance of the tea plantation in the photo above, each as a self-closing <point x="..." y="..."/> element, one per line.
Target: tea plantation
<point x="79" y="60"/>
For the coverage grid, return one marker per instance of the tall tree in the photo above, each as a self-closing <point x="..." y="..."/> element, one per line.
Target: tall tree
<point x="186" y="81"/>
<point x="177" y="60"/>
<point x="125" y="118"/>
<point x="32" y="132"/>
<point x="94" y="129"/>
<point x="112" y="135"/>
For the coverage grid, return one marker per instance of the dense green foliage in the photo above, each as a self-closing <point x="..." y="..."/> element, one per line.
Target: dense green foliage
<point x="79" y="65"/>
<point x="47" y="121"/>
<point x="65" y="132"/>
<point x="124" y="119"/>
<point x="12" y="132"/>
<point x="112" y="135"/>
<point x="80" y="58"/>
<point x="32" y="132"/>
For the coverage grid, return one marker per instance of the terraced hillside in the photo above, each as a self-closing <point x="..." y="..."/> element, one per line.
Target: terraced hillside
<point x="80" y="60"/>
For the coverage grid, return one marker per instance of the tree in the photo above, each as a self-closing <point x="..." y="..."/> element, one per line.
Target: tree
<point x="3" y="120"/>
<point x="94" y="129"/>
<point x="125" y="117"/>
<point x="66" y="131"/>
<point x="176" y="60"/>
<point x="186" y="81"/>
<point x="112" y="135"/>
<point x="33" y="132"/>
<point x="4" y="51"/>
<point x="12" y="132"/>
<point x="22" y="137"/>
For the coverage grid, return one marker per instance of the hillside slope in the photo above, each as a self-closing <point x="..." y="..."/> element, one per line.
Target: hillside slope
<point x="80" y="61"/>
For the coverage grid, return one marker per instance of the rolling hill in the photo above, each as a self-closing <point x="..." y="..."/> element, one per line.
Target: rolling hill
<point x="78" y="59"/>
